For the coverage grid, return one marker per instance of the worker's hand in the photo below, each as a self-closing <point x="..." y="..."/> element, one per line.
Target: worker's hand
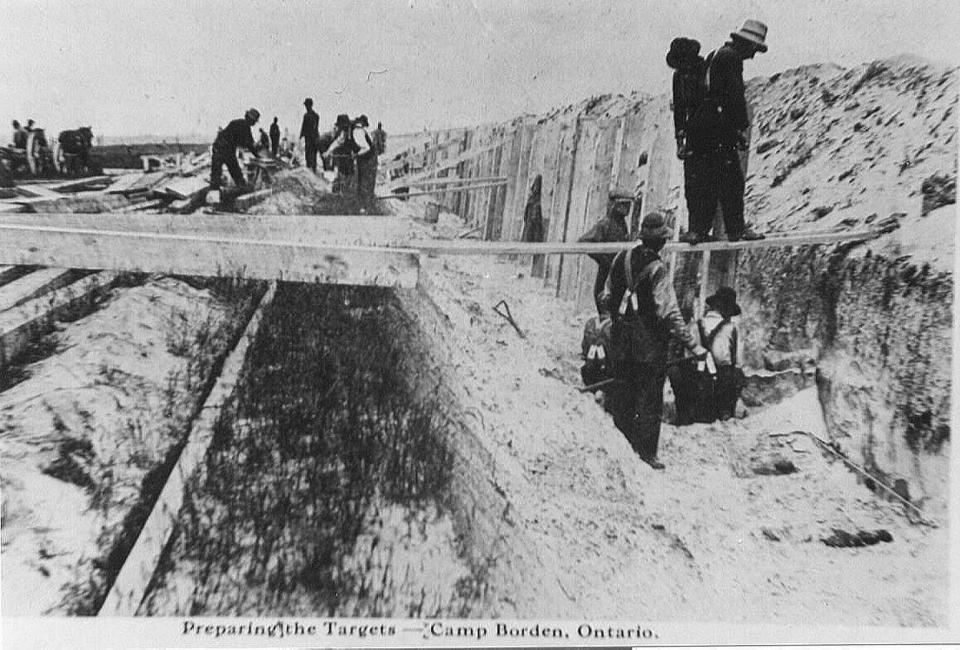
<point x="700" y="352"/>
<point x="682" y="151"/>
<point x="743" y="140"/>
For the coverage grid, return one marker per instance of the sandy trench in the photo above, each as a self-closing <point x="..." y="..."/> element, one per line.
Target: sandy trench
<point x="613" y="538"/>
<point x="105" y="409"/>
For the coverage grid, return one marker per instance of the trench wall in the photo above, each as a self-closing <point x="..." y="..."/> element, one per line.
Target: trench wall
<point x="877" y="327"/>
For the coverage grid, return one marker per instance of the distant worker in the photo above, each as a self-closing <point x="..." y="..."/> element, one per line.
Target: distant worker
<point x="641" y="301"/>
<point x="718" y="133"/>
<point x="310" y="134"/>
<point x="379" y="139"/>
<point x="533" y="230"/>
<point x="274" y="138"/>
<point x="234" y="136"/>
<point x="719" y="334"/>
<point x="366" y="165"/>
<point x="340" y="153"/>
<point x="30" y="124"/>
<point x="19" y="136"/>
<point x="264" y="141"/>
<point x="326" y="139"/>
<point x="612" y="228"/>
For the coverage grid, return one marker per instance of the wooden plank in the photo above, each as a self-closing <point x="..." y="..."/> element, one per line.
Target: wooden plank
<point x="247" y="201"/>
<point x="704" y="284"/>
<point x="444" y="164"/>
<point x="143" y="205"/>
<point x="569" y="198"/>
<point x="124" y="183"/>
<point x="21" y="325"/>
<point x="185" y="188"/>
<point x="81" y="183"/>
<point x="32" y="285"/>
<point x="457" y="181"/>
<point x="8" y="273"/>
<point x="130" y="586"/>
<point x="450" y="190"/>
<point x="451" y="247"/>
<point x="208" y="256"/>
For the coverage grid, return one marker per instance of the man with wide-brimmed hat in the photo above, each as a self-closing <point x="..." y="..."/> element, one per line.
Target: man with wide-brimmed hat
<point x="234" y="136"/>
<point x="641" y="301"/>
<point x="712" y="171"/>
<point x="719" y="334"/>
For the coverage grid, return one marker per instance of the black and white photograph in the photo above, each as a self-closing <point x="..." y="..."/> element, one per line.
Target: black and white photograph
<point x="477" y="322"/>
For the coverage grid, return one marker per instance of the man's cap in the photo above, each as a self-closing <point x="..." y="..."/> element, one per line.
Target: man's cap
<point x="363" y="121"/>
<point x="308" y="101"/>
<point x="682" y="49"/>
<point x="655" y="226"/>
<point x="753" y="31"/>
<point x="343" y="121"/>
<point x="725" y="302"/>
<point x="252" y="114"/>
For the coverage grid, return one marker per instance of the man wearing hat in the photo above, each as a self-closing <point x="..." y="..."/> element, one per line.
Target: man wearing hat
<point x="366" y="164"/>
<point x="341" y="151"/>
<point x="718" y="333"/>
<point x="641" y="301"/>
<point x="232" y="137"/>
<point x="712" y="171"/>
<point x="310" y="134"/>
<point x="612" y="228"/>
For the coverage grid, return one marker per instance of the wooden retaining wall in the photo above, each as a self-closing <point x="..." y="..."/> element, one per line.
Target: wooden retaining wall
<point x="581" y="158"/>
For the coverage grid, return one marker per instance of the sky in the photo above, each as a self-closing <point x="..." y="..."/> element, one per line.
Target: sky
<point x="129" y="67"/>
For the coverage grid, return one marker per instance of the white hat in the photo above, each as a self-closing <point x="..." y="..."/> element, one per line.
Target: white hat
<point x="753" y="31"/>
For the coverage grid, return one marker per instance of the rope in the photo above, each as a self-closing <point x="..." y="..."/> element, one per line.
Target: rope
<point x="825" y="445"/>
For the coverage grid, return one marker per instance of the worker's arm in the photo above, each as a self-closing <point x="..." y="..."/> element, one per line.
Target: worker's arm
<point x="614" y="287"/>
<point x="360" y="140"/>
<point x="304" y="127"/>
<point x="337" y="141"/>
<point x="668" y="311"/>
<point x="727" y="82"/>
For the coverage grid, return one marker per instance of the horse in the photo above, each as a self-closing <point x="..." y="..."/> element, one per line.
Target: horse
<point x="75" y="147"/>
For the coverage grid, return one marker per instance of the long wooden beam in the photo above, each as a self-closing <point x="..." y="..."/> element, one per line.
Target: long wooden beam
<point x="208" y="256"/>
<point x="454" y="247"/>
<point x="130" y="586"/>
<point x="439" y="190"/>
<point x="444" y="164"/>
<point x="457" y="181"/>
<point x="32" y="285"/>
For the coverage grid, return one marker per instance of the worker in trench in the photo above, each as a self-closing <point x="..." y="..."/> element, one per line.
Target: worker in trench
<point x="341" y="152"/>
<point x="237" y="134"/>
<point x="712" y="127"/>
<point x="641" y="301"/>
<point x="366" y="165"/>
<point x="612" y="227"/>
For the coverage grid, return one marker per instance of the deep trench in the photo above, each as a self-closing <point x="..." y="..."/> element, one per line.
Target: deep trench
<point x="334" y="428"/>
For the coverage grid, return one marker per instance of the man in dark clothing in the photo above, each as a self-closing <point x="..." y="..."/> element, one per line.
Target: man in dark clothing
<point x="612" y="228"/>
<point x="19" y="136"/>
<point x="714" y="134"/>
<point x="310" y="133"/>
<point x="274" y="138"/>
<point x="366" y="153"/>
<point x="641" y="300"/>
<point x="234" y="136"/>
<point x="380" y="139"/>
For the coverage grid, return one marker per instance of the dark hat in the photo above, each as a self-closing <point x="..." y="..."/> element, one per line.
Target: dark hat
<point x="682" y="49"/>
<point x="308" y="101"/>
<point x="655" y="226"/>
<point x="363" y="121"/>
<point x="343" y="121"/>
<point x="725" y="302"/>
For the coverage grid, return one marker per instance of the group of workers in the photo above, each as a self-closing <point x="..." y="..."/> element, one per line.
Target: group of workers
<point x="22" y="133"/>
<point x="350" y="149"/>
<point x="640" y="320"/>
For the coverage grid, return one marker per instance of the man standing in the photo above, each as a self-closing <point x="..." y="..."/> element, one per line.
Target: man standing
<point x="310" y="134"/>
<point x="366" y="164"/>
<point x="19" y="136"/>
<point x="719" y="334"/>
<point x="641" y="300"/>
<point x="715" y="136"/>
<point x="380" y="139"/>
<point x="234" y="136"/>
<point x="274" y="138"/>
<point x="612" y="228"/>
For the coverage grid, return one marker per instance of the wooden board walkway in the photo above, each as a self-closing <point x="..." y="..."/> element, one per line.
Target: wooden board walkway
<point x="208" y="256"/>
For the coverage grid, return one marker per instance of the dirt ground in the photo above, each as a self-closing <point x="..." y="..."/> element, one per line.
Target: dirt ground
<point x="80" y="433"/>
<point x="705" y="540"/>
